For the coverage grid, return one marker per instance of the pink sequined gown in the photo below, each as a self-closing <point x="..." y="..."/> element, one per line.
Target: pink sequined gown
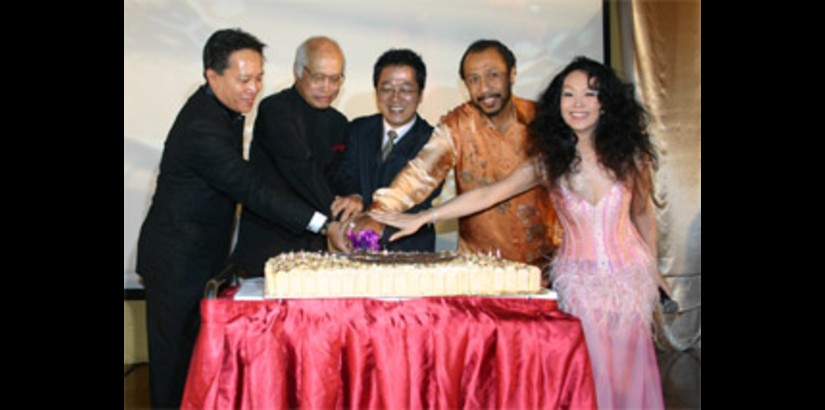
<point x="603" y="274"/>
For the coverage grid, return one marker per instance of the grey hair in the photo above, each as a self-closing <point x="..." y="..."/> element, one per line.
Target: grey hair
<point x="302" y="54"/>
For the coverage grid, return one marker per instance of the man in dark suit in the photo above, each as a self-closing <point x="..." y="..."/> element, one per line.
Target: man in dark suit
<point x="297" y="139"/>
<point x="380" y="145"/>
<point x="186" y="236"/>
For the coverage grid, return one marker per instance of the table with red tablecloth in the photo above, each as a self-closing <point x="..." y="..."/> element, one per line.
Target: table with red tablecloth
<point x="433" y="352"/>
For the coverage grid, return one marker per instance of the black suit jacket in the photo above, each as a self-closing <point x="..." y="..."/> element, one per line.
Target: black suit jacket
<point x="186" y="236"/>
<point x="295" y="147"/>
<point x="361" y="170"/>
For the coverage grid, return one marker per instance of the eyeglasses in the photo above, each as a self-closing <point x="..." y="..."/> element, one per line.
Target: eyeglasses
<point x="318" y="79"/>
<point x="403" y="92"/>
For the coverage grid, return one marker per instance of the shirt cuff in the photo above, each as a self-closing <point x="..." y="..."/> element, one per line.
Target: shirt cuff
<point x="317" y="221"/>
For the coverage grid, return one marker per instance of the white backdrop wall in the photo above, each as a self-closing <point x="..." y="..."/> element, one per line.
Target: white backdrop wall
<point x="163" y="42"/>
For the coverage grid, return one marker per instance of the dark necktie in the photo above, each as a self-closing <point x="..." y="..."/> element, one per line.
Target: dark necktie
<point x="385" y="150"/>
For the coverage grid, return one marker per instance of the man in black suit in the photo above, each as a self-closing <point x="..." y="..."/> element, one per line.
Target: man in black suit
<point x="186" y="236"/>
<point x="297" y="139"/>
<point x="397" y="134"/>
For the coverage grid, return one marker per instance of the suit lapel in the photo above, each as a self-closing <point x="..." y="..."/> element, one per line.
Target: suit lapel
<point x="305" y="172"/>
<point x="402" y="153"/>
<point x="302" y="172"/>
<point x="373" y="137"/>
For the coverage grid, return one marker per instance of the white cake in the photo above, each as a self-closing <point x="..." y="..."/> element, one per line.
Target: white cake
<point x="396" y="274"/>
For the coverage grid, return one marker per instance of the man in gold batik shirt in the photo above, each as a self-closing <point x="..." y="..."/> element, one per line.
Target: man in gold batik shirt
<point x="484" y="140"/>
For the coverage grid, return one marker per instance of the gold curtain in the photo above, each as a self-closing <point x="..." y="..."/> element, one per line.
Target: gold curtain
<point x="657" y="45"/>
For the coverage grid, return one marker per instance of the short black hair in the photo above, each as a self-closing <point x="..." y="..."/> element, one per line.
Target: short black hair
<point x="223" y="43"/>
<point x="402" y="57"/>
<point x="481" y="45"/>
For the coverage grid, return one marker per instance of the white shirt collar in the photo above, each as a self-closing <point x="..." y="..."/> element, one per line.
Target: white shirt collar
<point x="401" y="131"/>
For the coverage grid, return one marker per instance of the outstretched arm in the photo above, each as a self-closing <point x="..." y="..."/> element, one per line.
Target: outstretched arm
<point x="421" y="176"/>
<point x="415" y="182"/>
<point x="469" y="202"/>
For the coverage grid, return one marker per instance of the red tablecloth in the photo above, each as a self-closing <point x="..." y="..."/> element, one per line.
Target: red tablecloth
<point x="438" y="352"/>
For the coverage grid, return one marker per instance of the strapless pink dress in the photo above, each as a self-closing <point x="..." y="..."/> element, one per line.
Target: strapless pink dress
<point x="603" y="274"/>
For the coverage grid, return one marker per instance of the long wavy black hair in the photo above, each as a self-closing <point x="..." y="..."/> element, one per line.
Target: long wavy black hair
<point x="622" y="142"/>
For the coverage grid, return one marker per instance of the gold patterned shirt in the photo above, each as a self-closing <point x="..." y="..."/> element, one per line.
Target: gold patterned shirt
<point x="521" y="228"/>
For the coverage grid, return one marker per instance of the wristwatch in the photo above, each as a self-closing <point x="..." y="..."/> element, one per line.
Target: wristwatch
<point x="325" y="227"/>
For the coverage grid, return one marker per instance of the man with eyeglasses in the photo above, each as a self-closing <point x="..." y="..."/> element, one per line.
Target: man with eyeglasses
<point x="483" y="140"/>
<point x="297" y="140"/>
<point x="187" y="234"/>
<point x="380" y="145"/>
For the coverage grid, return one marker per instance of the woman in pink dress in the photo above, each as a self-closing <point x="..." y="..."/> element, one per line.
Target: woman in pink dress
<point x="593" y="154"/>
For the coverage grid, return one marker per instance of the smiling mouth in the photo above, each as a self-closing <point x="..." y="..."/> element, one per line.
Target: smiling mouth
<point x="488" y="99"/>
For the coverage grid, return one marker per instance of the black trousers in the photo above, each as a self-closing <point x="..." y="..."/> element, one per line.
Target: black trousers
<point x="172" y="323"/>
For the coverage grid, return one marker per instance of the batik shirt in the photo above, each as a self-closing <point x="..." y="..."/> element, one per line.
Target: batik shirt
<point x="521" y="228"/>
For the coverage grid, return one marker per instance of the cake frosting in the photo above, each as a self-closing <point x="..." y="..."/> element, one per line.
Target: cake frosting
<point x="396" y="274"/>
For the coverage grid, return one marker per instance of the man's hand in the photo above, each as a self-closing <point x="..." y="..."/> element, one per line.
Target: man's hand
<point x="336" y="237"/>
<point x="346" y="206"/>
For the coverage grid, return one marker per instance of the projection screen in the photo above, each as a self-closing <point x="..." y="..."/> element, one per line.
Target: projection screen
<point x="163" y="41"/>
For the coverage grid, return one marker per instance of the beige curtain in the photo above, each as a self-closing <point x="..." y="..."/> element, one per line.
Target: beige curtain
<point x="657" y="45"/>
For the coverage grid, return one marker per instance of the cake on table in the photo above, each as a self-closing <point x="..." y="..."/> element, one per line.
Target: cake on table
<point x="396" y="274"/>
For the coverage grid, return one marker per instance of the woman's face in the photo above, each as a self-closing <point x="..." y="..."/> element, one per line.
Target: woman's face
<point x="580" y="105"/>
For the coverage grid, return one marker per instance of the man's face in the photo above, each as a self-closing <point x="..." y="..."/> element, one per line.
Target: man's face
<point x="397" y="94"/>
<point x="487" y="80"/>
<point x="322" y="77"/>
<point x="240" y="82"/>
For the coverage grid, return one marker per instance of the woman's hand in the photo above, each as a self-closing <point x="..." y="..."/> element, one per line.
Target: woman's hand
<point x="407" y="224"/>
<point x="662" y="283"/>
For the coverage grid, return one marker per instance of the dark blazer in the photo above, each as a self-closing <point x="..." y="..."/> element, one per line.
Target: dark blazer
<point x="295" y="147"/>
<point x="362" y="172"/>
<point x="186" y="236"/>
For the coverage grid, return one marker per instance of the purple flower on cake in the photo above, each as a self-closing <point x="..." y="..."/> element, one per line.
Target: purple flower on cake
<point x="364" y="241"/>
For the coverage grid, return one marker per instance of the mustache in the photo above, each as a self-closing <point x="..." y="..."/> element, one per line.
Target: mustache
<point x="491" y="95"/>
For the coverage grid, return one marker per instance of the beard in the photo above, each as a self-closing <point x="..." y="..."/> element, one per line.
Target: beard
<point x="503" y="97"/>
